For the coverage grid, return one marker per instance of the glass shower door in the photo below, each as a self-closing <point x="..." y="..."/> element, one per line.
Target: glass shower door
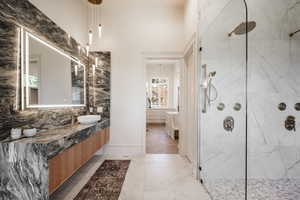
<point x="223" y="99"/>
<point x="274" y="101"/>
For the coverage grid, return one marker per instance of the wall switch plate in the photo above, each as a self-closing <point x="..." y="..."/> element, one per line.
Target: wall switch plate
<point x="99" y="109"/>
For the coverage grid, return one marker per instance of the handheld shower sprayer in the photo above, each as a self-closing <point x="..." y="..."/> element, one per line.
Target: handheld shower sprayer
<point x="212" y="74"/>
<point x="207" y="87"/>
<point x="210" y="86"/>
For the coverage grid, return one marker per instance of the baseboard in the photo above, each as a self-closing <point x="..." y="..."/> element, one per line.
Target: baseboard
<point x="124" y="150"/>
<point x="101" y="151"/>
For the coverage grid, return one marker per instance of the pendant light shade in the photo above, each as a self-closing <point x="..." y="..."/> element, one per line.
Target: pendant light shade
<point x="87" y="49"/>
<point x="90" y="37"/>
<point x="76" y="70"/>
<point x="96" y="61"/>
<point x="100" y="30"/>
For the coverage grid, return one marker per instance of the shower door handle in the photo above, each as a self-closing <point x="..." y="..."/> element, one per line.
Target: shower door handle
<point x="204" y="87"/>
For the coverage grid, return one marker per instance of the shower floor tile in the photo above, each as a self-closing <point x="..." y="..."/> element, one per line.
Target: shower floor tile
<point x="258" y="189"/>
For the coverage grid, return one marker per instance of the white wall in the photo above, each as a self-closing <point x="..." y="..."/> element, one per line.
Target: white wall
<point x="188" y="113"/>
<point x="70" y="15"/>
<point x="129" y="28"/>
<point x="191" y="17"/>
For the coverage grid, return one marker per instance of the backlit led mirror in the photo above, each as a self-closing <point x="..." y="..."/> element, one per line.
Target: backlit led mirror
<point x="51" y="78"/>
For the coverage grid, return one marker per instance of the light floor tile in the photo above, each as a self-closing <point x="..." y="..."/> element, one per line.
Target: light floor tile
<point x="149" y="177"/>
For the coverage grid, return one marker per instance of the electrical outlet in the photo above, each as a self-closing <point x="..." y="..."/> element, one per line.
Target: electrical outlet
<point x="99" y="109"/>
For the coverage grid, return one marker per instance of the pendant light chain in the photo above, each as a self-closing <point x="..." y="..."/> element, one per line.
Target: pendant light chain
<point x="94" y="21"/>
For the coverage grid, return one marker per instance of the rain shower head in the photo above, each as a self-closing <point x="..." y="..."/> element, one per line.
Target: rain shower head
<point x="292" y="34"/>
<point x="242" y="28"/>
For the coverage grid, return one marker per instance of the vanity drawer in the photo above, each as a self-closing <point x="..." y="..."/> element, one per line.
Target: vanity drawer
<point x="65" y="164"/>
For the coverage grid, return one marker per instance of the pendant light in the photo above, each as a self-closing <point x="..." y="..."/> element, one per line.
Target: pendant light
<point x="94" y="69"/>
<point x="96" y="61"/>
<point x="94" y="21"/>
<point x="90" y="37"/>
<point x="76" y="70"/>
<point x="87" y="49"/>
<point x="100" y="30"/>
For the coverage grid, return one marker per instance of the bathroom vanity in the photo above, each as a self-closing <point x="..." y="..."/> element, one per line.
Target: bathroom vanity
<point x="47" y="79"/>
<point x="33" y="168"/>
<point x="63" y="165"/>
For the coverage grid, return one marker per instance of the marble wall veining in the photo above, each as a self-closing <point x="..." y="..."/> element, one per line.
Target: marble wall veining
<point x="14" y="14"/>
<point x="273" y="77"/>
<point x="24" y="173"/>
<point x="100" y="80"/>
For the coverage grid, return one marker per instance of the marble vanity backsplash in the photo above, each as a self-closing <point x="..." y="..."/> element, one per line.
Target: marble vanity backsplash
<point x="100" y="83"/>
<point x="13" y="15"/>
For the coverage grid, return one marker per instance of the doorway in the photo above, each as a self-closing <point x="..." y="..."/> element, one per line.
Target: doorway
<point x="162" y="107"/>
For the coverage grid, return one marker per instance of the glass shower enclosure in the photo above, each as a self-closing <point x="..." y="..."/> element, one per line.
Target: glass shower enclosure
<point x="250" y="101"/>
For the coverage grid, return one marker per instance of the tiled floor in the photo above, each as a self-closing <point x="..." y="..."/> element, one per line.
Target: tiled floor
<point x="149" y="177"/>
<point x="258" y="189"/>
<point x="158" y="141"/>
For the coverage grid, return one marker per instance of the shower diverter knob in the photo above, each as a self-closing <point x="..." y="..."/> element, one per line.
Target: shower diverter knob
<point x="228" y="123"/>
<point x="290" y="123"/>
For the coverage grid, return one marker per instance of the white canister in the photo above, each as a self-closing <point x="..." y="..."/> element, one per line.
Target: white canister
<point x="29" y="132"/>
<point x="15" y="133"/>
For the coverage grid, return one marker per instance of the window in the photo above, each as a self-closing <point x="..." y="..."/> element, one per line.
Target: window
<point x="159" y="92"/>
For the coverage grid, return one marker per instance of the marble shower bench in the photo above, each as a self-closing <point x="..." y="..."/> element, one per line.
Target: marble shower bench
<point x="33" y="168"/>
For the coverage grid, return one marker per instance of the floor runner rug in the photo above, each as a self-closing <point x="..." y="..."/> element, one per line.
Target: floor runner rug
<point x="106" y="183"/>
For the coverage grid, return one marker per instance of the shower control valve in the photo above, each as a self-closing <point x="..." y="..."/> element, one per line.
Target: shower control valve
<point x="290" y="123"/>
<point x="228" y="123"/>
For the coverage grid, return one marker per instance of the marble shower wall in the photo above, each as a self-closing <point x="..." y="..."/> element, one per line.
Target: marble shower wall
<point x="223" y="153"/>
<point x="274" y="70"/>
<point x="273" y="77"/>
<point x="13" y="14"/>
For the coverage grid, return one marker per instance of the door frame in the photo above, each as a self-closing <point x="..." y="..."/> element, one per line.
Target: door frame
<point x="192" y="47"/>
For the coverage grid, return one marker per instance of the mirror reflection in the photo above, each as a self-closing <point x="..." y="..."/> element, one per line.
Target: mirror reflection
<point x="54" y="78"/>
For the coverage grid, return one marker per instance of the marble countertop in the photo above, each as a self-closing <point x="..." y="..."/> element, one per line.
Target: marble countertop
<point x="57" y="140"/>
<point x="48" y="136"/>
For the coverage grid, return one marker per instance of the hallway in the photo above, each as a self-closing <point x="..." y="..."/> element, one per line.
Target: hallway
<point x="158" y="141"/>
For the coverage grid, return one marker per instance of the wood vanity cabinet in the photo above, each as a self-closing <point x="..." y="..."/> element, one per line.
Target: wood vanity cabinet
<point x="65" y="164"/>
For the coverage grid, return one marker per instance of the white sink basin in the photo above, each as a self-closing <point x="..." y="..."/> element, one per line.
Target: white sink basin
<point x="89" y="119"/>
